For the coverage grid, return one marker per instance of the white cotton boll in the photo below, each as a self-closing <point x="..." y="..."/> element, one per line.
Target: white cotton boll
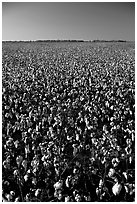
<point x="97" y="191"/>
<point x="67" y="182"/>
<point x="107" y="104"/>
<point x="12" y="193"/>
<point x="126" y="189"/>
<point x="75" y="171"/>
<point x="130" y="112"/>
<point x="116" y="188"/>
<point x="133" y="137"/>
<point x="111" y="172"/>
<point x="77" y="137"/>
<point x="114" y="127"/>
<point x="34" y="170"/>
<point x="43" y="158"/>
<point x="115" y="162"/>
<point x="55" y="194"/>
<point x="26" y="177"/>
<point x="78" y="198"/>
<point x="37" y="192"/>
<point x="90" y="82"/>
<point x="58" y="185"/>
<point x="29" y="171"/>
<point x="29" y="130"/>
<point x="128" y="141"/>
<point x="9" y="197"/>
<point x="45" y="164"/>
<point x="24" y="164"/>
<point x="67" y="199"/>
<point x="19" y="159"/>
<point x="130" y="159"/>
<point x="59" y="196"/>
<point x="111" y="118"/>
<point x="112" y="107"/>
<point x="16" y="143"/>
<point x="125" y="175"/>
<point x="17" y="199"/>
<point x="101" y="183"/>
<point x="37" y="128"/>
<point x="69" y="138"/>
<point x="16" y="172"/>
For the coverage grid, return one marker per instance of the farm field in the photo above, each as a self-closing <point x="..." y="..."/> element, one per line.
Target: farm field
<point x="68" y="121"/>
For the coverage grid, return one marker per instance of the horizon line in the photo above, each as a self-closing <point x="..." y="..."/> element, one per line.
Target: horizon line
<point x="68" y="40"/>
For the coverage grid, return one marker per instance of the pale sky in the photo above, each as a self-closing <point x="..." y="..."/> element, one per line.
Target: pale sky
<point x="68" y="20"/>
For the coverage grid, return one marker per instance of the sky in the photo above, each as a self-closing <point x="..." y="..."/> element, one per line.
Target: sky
<point x="68" y="20"/>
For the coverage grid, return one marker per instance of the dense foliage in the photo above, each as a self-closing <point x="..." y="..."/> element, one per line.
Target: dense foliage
<point x="68" y="121"/>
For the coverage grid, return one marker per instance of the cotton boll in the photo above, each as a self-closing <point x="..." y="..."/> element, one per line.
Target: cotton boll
<point x="12" y="193"/>
<point x="67" y="199"/>
<point x="16" y="172"/>
<point x="60" y="196"/>
<point x="58" y="185"/>
<point x="125" y="175"/>
<point x="111" y="172"/>
<point x="97" y="191"/>
<point x="115" y="162"/>
<point x="24" y="164"/>
<point x="116" y="188"/>
<point x="126" y="189"/>
<point x="26" y="177"/>
<point x="67" y="182"/>
<point x="19" y="159"/>
<point x="77" y="137"/>
<point x="100" y="183"/>
<point x="112" y="107"/>
<point x="17" y="199"/>
<point x="78" y="198"/>
<point x="9" y="197"/>
<point x="37" y="192"/>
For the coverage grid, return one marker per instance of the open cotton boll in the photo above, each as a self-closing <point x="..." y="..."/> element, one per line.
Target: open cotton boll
<point x="77" y="137"/>
<point x="58" y="185"/>
<point x="115" y="162"/>
<point x="9" y="197"/>
<point x="12" y="193"/>
<point x="67" y="199"/>
<point x="111" y="172"/>
<point x="37" y="192"/>
<point x="116" y="188"/>
<point x="19" y="159"/>
<point x="17" y="199"/>
<point x="26" y="177"/>
<point x="16" y="172"/>
<point x="24" y="164"/>
<point x="125" y="175"/>
<point x="68" y="180"/>
<point x="78" y="198"/>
